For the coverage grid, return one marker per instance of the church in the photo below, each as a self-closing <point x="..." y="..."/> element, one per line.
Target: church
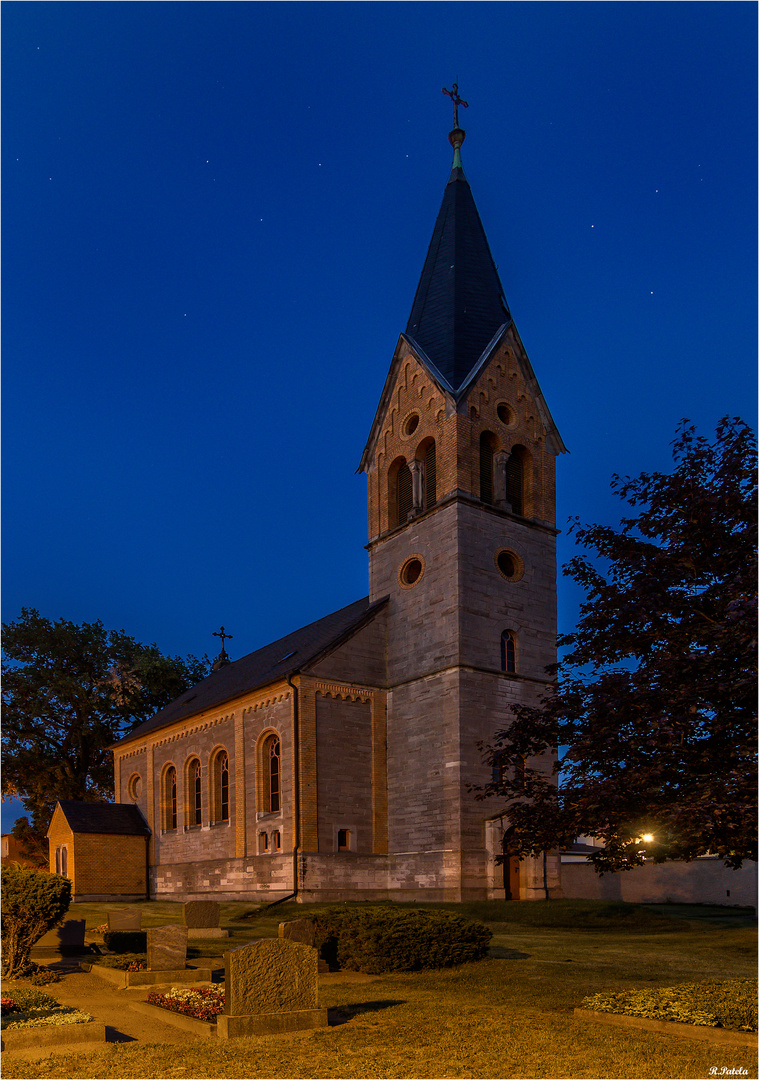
<point x="335" y="763"/>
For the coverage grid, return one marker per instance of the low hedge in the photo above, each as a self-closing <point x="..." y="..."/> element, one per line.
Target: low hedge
<point x="126" y="941"/>
<point x="730" y="1003"/>
<point x="380" y="939"/>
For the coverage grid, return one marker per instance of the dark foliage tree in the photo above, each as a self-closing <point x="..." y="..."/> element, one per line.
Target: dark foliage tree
<point x="69" y="692"/>
<point x="655" y="697"/>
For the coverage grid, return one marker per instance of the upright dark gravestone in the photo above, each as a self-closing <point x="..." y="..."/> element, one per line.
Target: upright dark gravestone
<point x="201" y="917"/>
<point x="167" y="948"/>
<point x="271" y="986"/>
<point x="301" y="930"/>
<point x="128" y="919"/>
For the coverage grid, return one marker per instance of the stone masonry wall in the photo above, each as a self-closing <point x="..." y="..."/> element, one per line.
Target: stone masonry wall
<point x="344" y="772"/>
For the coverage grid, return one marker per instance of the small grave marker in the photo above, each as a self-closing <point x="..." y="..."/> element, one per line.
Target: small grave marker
<point x="130" y="919"/>
<point x="167" y="948"/>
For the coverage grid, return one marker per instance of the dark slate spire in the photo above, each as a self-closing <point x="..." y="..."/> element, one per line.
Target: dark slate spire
<point x="459" y="304"/>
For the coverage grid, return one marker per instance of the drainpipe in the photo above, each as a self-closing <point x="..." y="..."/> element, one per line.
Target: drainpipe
<point x="545" y="874"/>
<point x="296" y="787"/>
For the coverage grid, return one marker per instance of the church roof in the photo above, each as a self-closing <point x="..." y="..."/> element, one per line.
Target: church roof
<point x="459" y="304"/>
<point x="113" y="819"/>
<point x="273" y="662"/>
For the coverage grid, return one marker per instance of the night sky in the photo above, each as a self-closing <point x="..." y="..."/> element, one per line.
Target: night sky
<point x="215" y="218"/>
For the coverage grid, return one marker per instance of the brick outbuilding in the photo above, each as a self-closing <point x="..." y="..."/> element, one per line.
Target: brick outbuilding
<point x="102" y="848"/>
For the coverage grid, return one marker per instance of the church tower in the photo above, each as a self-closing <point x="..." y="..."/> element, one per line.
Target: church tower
<point x="460" y="465"/>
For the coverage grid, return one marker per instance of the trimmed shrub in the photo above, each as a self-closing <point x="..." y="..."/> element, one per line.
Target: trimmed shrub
<point x="33" y="903"/>
<point x="121" y="941"/>
<point x="380" y="939"/>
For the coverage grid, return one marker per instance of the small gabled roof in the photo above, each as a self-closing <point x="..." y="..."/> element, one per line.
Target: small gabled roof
<point x="111" y="819"/>
<point x="270" y="664"/>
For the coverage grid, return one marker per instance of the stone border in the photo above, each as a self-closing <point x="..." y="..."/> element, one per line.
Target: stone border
<point x="52" y="1037"/>
<point x="123" y="979"/>
<point x="670" y="1027"/>
<point x="180" y="1020"/>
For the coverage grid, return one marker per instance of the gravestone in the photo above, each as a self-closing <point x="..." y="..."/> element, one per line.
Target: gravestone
<point x="271" y="986"/>
<point x="66" y="940"/>
<point x="167" y="948"/>
<point x="201" y="917"/>
<point x="130" y="919"/>
<point x="301" y="930"/>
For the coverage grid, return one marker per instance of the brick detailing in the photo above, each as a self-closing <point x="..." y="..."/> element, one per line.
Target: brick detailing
<point x="456" y="429"/>
<point x="309" y="822"/>
<point x="237" y="794"/>
<point x="379" y="773"/>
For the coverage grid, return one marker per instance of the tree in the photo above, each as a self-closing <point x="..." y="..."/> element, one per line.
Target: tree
<point x="33" y="903"/>
<point x="655" y="697"/>
<point x="69" y="693"/>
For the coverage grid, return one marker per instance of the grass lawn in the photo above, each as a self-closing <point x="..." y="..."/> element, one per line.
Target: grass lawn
<point x="508" y="1016"/>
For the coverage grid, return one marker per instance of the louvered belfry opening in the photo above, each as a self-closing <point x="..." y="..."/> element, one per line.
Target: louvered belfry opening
<point x="430" y="476"/>
<point x="515" y="482"/>
<point x="405" y="494"/>
<point x="486" y="467"/>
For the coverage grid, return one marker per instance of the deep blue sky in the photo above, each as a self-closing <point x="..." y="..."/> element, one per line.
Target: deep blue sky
<point x="215" y="217"/>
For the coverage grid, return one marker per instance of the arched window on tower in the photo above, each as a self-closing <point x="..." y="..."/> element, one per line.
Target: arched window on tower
<point x="508" y="651"/>
<point x="515" y="480"/>
<point x="488" y="448"/>
<point x="272" y="775"/>
<point x="405" y="494"/>
<point x="430" y="475"/>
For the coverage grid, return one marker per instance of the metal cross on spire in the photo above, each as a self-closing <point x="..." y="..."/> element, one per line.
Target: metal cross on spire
<point x="223" y="635"/>
<point x="222" y="659"/>
<point x="454" y="96"/>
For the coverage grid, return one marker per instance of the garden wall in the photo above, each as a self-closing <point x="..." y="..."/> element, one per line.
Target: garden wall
<point x="703" y="881"/>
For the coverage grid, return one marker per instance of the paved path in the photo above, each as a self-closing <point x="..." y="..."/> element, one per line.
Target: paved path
<point x="110" y="1005"/>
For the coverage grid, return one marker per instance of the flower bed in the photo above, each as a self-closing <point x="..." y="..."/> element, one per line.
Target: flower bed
<point x="32" y="1008"/>
<point x="730" y="1003"/>
<point x="199" y="1002"/>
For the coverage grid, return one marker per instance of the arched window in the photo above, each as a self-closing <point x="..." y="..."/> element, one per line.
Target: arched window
<point x="194" y="793"/>
<point x="515" y="481"/>
<point x="272" y="778"/>
<point x="487" y="450"/>
<point x="169" y="799"/>
<point x="405" y="493"/>
<point x="508" y="651"/>
<point x="220" y="793"/>
<point x="62" y="861"/>
<point x="430" y="475"/>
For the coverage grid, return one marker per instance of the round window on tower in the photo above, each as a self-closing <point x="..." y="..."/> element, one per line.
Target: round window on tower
<point x="134" y="787"/>
<point x="509" y="564"/>
<point x="410" y="424"/>
<point x="411" y="572"/>
<point x="505" y="413"/>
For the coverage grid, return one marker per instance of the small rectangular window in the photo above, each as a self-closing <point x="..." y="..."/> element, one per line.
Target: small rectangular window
<point x="263" y="843"/>
<point x="343" y="840"/>
<point x="276" y="841"/>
